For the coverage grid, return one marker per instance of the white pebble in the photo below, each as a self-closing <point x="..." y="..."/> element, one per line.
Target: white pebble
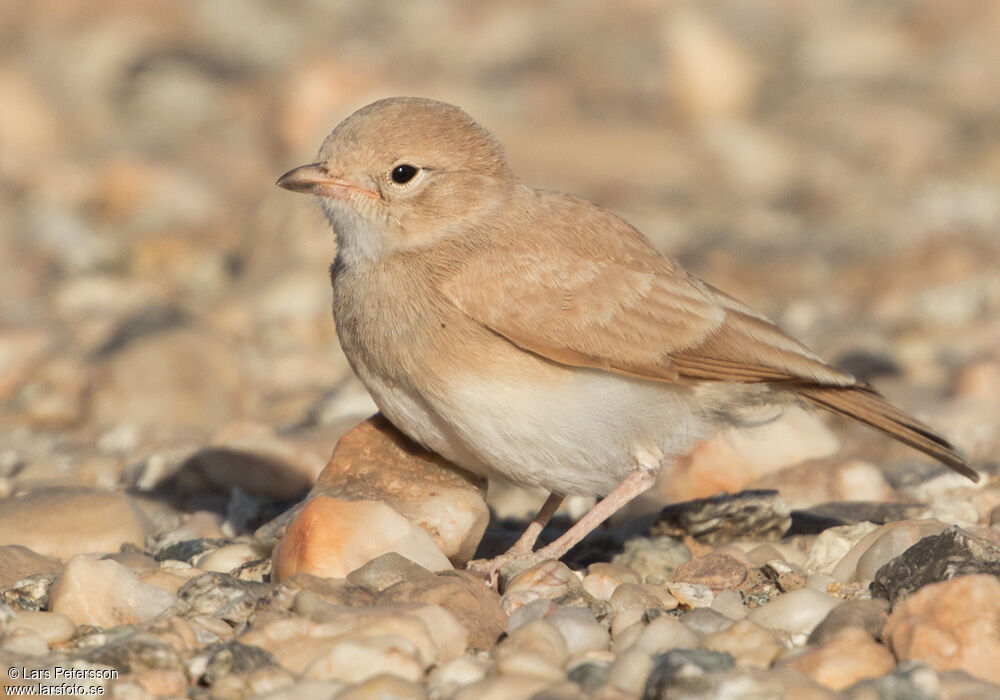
<point x="796" y="612"/>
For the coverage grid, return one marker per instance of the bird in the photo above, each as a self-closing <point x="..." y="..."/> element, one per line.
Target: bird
<point x="536" y="336"/>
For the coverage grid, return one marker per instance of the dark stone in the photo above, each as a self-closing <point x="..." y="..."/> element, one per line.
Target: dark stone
<point x="30" y="593"/>
<point x="870" y="615"/>
<point x="137" y="652"/>
<point x="187" y="550"/>
<point x="223" y="596"/>
<point x="719" y="519"/>
<point x="688" y="664"/>
<point x="234" y="657"/>
<point x="954" y="552"/>
<point x="589" y="676"/>
<point x="812" y="521"/>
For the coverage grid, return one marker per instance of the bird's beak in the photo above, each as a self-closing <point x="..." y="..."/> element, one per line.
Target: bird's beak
<point x="314" y="179"/>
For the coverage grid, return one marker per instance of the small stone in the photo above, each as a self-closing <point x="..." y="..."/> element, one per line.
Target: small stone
<point x="529" y="612"/>
<point x="832" y="546"/>
<point x="705" y="621"/>
<point x="954" y="624"/>
<point x="222" y="596"/>
<point x="54" y="627"/>
<point x="357" y="658"/>
<point x="653" y="556"/>
<point x="725" y="517"/>
<point x="446" y="679"/>
<point x="505" y="687"/>
<point x="880" y="546"/>
<point x="536" y="639"/>
<point x="663" y="634"/>
<point x="580" y="630"/>
<point x="849" y="656"/>
<point x="797" y="612"/>
<point x="62" y="523"/>
<point x="474" y="605"/>
<point x="30" y="593"/>
<point x="642" y="596"/>
<point x="730" y="604"/>
<point x="550" y="579"/>
<point x="226" y="559"/>
<point x="332" y="538"/>
<point x="629" y="671"/>
<point x="235" y="658"/>
<point x="137" y="652"/>
<point x="17" y="562"/>
<point x="751" y="645"/>
<point x="715" y="570"/>
<point x="105" y="593"/>
<point x="684" y="663"/>
<point x="603" y="578"/>
<point x="24" y="641"/>
<point x="691" y="595"/>
<point x="869" y="615"/>
<point x="384" y="686"/>
<point x="374" y="461"/>
<point x="955" y="552"/>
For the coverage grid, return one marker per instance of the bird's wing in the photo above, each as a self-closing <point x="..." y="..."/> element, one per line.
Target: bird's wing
<point x="653" y="322"/>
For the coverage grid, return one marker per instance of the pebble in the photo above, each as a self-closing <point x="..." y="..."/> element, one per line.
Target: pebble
<point x="374" y="461"/>
<point x="705" y="621"/>
<point x="122" y="599"/>
<point x="384" y="686"/>
<point x="643" y="596"/>
<point x="715" y="570"/>
<point x="848" y="656"/>
<point x="580" y="630"/>
<point x="332" y="538"/>
<point x="445" y="679"/>
<point x="797" y="612"/>
<point x="630" y="670"/>
<point x="355" y="659"/>
<point x="691" y="595"/>
<point x="730" y="604"/>
<point x="950" y="625"/>
<point x="62" y="523"/>
<point x="833" y="544"/>
<point x="869" y="615"/>
<point x="684" y="664"/>
<point x="661" y="635"/>
<point x="876" y="548"/>
<point x="955" y="552"/>
<point x="603" y="579"/>
<point x="54" y="627"/>
<point x="751" y="645"/>
<point x="550" y="579"/>
<point x="653" y="556"/>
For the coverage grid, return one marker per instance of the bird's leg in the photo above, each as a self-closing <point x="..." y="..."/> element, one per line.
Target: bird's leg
<point x="525" y="543"/>
<point x="635" y="484"/>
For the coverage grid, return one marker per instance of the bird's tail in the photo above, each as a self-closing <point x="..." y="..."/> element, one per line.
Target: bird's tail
<point x="867" y="406"/>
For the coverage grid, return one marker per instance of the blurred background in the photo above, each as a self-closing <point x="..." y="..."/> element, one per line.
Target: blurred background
<point x="836" y="164"/>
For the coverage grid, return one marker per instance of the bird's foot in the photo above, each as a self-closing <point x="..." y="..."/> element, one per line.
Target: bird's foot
<point x="491" y="569"/>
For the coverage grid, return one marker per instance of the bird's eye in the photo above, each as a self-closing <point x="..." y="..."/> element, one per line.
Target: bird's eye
<point x="403" y="173"/>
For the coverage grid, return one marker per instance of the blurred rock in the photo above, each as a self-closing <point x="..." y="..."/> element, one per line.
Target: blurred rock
<point x="951" y="625"/>
<point x="811" y="483"/>
<point x="849" y="656"/>
<point x="881" y="545"/>
<point x="251" y="457"/>
<point x="62" y="523"/>
<point x="180" y="377"/>
<point x="735" y="458"/>
<point x="715" y="570"/>
<point x="869" y="615"/>
<point x="797" y="612"/>
<point x="104" y="593"/>
<point x="725" y="517"/>
<point x="17" y="562"/>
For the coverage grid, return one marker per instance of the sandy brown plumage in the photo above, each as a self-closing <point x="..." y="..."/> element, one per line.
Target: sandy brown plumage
<point x="537" y="336"/>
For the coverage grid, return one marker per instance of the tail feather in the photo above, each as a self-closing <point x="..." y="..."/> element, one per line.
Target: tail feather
<point x="867" y="406"/>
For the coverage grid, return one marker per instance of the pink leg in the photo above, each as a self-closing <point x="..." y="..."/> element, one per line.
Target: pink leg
<point x="525" y="543"/>
<point x="635" y="484"/>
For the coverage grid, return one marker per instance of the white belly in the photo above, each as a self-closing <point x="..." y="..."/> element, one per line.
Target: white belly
<point x="580" y="432"/>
